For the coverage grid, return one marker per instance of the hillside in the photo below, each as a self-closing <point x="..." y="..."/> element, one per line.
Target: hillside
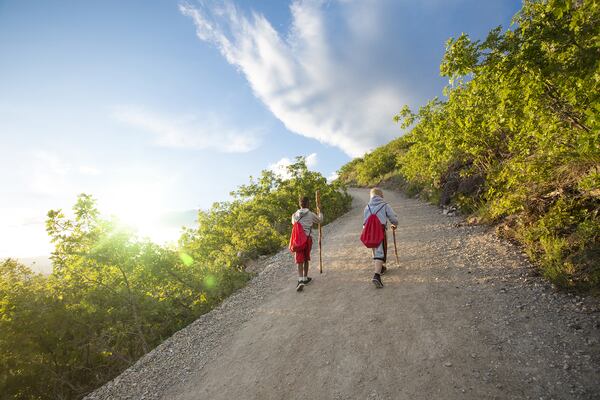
<point x="462" y="317"/>
<point x="515" y="141"/>
<point x="112" y="296"/>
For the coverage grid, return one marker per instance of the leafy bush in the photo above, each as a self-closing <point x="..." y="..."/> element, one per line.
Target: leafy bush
<point x="113" y="297"/>
<point x="516" y="140"/>
<point x="257" y="221"/>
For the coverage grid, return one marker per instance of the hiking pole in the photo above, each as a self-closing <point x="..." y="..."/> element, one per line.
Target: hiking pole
<point x="395" y="246"/>
<point x="318" y="200"/>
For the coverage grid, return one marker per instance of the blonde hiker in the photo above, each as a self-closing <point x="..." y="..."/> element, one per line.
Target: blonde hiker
<point x="374" y="231"/>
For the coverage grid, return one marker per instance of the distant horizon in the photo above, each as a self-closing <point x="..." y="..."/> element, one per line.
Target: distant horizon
<point x="39" y="264"/>
<point x="172" y="221"/>
<point x="169" y="106"/>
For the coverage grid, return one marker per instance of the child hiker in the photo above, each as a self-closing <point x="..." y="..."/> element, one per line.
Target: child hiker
<point x="307" y="219"/>
<point x="377" y="206"/>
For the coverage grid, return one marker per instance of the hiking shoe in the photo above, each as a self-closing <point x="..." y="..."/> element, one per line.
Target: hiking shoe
<point x="299" y="286"/>
<point x="383" y="269"/>
<point x="377" y="281"/>
<point x="308" y="279"/>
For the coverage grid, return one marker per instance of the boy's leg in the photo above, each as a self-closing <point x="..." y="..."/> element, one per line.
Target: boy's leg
<point x="378" y="266"/>
<point x="299" y="258"/>
<point x="307" y="260"/>
<point x="378" y="259"/>
<point x="300" y="284"/>
<point x="383" y="267"/>
<point x="306" y="278"/>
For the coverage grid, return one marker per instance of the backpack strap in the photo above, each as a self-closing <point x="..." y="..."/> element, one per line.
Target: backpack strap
<point x="379" y="209"/>
<point x="375" y="213"/>
<point x="298" y="220"/>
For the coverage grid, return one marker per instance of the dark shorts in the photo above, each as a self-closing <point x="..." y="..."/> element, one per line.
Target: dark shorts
<point x="304" y="255"/>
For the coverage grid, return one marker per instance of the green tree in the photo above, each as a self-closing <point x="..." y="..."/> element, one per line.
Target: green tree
<point x="516" y="139"/>
<point x="112" y="297"/>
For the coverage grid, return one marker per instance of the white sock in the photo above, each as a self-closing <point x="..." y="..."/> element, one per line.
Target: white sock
<point x="305" y="279"/>
<point x="300" y="279"/>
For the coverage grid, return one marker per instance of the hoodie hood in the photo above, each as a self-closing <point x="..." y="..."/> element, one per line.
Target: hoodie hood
<point x="376" y="202"/>
<point x="303" y="211"/>
<point x="384" y="212"/>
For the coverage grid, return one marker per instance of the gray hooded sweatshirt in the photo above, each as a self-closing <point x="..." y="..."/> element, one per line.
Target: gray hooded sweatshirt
<point x="307" y="219"/>
<point x="384" y="214"/>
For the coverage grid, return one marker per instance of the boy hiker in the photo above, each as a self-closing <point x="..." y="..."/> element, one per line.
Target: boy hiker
<point x="378" y="207"/>
<point x="306" y="219"/>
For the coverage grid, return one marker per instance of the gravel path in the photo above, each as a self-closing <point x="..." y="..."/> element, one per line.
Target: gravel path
<point x="463" y="317"/>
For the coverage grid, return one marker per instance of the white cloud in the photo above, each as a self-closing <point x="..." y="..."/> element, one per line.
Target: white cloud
<point x="49" y="174"/>
<point x="189" y="131"/>
<point x="280" y="167"/>
<point x="318" y="89"/>
<point x="332" y="177"/>
<point x="311" y="160"/>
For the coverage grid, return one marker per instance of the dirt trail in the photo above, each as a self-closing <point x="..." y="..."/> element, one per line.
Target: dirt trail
<point x="461" y="318"/>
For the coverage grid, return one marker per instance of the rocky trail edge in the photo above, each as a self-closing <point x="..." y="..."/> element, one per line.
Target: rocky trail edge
<point x="464" y="316"/>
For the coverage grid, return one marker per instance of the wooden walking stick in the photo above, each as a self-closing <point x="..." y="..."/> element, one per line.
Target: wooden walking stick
<point x="395" y="246"/>
<point x="318" y="201"/>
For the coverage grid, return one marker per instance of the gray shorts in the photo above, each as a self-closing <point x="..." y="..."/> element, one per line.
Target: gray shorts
<point x="380" y="252"/>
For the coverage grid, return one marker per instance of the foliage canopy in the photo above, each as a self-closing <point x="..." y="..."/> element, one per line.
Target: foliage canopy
<point x="517" y="138"/>
<point x="112" y="297"/>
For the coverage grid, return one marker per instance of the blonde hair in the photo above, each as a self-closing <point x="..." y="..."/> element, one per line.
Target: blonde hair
<point x="376" y="192"/>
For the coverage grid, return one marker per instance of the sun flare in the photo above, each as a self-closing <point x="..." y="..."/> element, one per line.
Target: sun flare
<point x="141" y="207"/>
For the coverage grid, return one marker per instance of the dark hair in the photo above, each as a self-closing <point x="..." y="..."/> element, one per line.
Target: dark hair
<point x="304" y="202"/>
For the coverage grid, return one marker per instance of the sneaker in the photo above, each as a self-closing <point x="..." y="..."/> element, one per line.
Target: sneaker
<point x="299" y="286"/>
<point x="383" y="269"/>
<point x="307" y="279"/>
<point x="377" y="281"/>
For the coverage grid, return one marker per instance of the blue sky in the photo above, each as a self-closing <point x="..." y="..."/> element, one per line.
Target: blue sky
<point x="162" y="107"/>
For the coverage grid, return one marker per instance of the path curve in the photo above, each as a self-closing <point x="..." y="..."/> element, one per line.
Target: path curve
<point x="462" y="317"/>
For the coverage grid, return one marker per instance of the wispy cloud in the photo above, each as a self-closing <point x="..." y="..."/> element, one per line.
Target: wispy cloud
<point x="314" y="84"/>
<point x="189" y="131"/>
<point x="48" y="173"/>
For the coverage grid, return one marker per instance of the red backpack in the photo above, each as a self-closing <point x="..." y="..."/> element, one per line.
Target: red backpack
<point x="372" y="233"/>
<point x="298" y="239"/>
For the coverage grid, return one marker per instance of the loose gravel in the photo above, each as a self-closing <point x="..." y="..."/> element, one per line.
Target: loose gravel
<point x="464" y="317"/>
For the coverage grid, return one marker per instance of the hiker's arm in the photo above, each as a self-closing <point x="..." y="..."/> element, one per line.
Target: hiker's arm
<point x="391" y="215"/>
<point x="318" y="219"/>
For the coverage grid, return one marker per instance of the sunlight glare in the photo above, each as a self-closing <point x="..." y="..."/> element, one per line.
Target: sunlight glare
<point x="141" y="207"/>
